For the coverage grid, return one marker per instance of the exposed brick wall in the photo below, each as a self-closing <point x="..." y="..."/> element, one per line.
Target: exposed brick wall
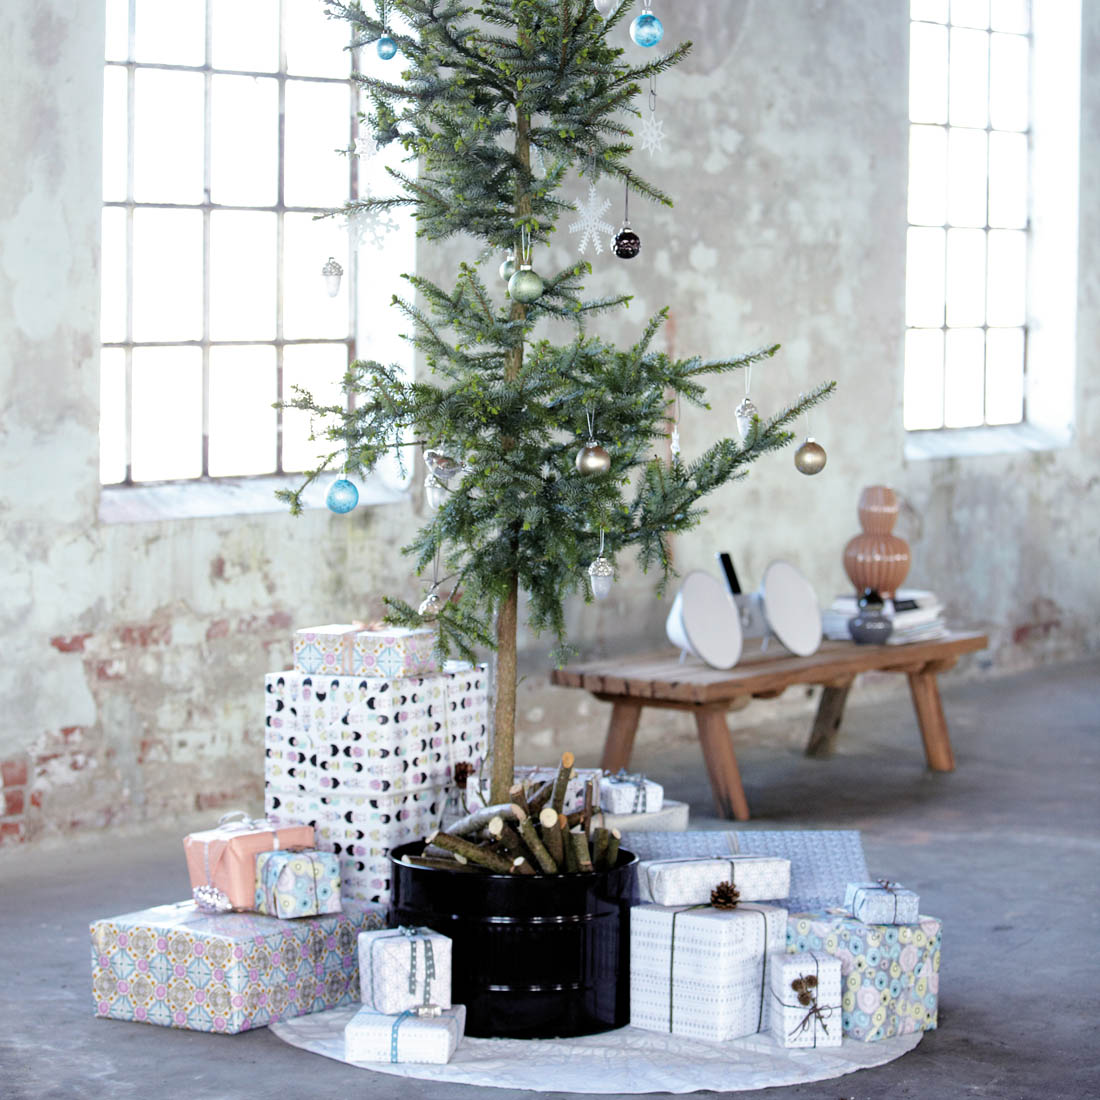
<point x="13" y="799"/>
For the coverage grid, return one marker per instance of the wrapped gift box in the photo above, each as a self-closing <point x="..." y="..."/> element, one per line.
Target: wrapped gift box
<point x="404" y="968"/>
<point x="823" y="861"/>
<point x="672" y="817"/>
<point x="177" y="966"/>
<point x="297" y="884"/>
<point x="882" y="902"/>
<point x="689" y="880"/>
<point x="805" y="1009"/>
<point x="222" y="861"/>
<point x="394" y="652"/>
<point x="701" y="972"/>
<point x="891" y="971"/>
<point x="630" y="794"/>
<point x="373" y="1037"/>
<point x="326" y="649"/>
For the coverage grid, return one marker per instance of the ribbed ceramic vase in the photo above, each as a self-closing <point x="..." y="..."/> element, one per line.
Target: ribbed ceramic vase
<point x="877" y="558"/>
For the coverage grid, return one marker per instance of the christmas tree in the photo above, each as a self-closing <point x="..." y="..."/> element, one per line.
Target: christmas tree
<point x="500" y="101"/>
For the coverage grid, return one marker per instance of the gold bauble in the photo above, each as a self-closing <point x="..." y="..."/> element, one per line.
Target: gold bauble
<point x="593" y="459"/>
<point x="810" y="458"/>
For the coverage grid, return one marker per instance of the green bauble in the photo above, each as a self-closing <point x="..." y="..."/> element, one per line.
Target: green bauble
<point x="525" y="285"/>
<point x="508" y="269"/>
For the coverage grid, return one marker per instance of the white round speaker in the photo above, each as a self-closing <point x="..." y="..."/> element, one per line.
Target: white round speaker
<point x="705" y="622"/>
<point x="791" y="608"/>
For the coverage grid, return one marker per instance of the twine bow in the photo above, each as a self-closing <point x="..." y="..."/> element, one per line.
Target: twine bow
<point x="805" y="987"/>
<point x="641" y="790"/>
<point x="884" y="884"/>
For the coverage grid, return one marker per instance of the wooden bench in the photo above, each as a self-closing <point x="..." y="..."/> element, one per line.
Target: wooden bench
<point x="663" y="680"/>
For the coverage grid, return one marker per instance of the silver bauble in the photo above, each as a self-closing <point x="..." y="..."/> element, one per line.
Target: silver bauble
<point x="593" y="459"/>
<point x="525" y="285"/>
<point x="810" y="458"/>
<point x="606" y="7"/>
<point x="601" y="575"/>
<point x="508" y="269"/>
<point x="429" y="606"/>
<point x="435" y="492"/>
<point x="744" y="413"/>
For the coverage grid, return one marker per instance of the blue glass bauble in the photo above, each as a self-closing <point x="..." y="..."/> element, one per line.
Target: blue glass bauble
<point x="342" y="496"/>
<point x="387" y="47"/>
<point x="525" y="285"/>
<point x="646" y="29"/>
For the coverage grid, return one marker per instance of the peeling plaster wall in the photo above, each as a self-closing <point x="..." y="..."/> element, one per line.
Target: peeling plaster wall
<point x="135" y="651"/>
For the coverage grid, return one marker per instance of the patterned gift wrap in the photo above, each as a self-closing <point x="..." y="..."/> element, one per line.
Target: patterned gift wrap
<point x="689" y="880"/>
<point x="297" y="884"/>
<point x="373" y="1037"/>
<point x="882" y="902"/>
<point x="891" y="971"/>
<point x="179" y="967"/>
<point x="823" y="861"/>
<point x="325" y="649"/>
<point x="404" y="968"/>
<point x="701" y="972"/>
<point x="805" y="1009"/>
<point x="630" y="794"/>
<point x="394" y="652"/>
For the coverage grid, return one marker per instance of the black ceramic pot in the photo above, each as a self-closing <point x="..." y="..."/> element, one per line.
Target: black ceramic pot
<point x="533" y="956"/>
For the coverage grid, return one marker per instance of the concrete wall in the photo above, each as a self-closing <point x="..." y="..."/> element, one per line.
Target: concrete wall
<point x="134" y="651"/>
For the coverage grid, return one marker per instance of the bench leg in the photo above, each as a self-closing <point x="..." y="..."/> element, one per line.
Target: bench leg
<point x="830" y="713"/>
<point x="933" y="725"/>
<point x="721" y="763"/>
<point x="620" y="736"/>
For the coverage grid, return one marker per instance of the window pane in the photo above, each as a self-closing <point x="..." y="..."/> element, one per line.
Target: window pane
<point x="114" y="134"/>
<point x="112" y="415"/>
<point x="970" y="13"/>
<point x="242" y="275"/>
<point x="1010" y="15"/>
<point x="1007" y="277"/>
<point x="315" y="44"/>
<point x="244" y="140"/>
<point x="964" y="378"/>
<point x="167" y="275"/>
<point x="242" y="419"/>
<point x="168" y="136"/>
<point x="1008" y="180"/>
<point x="167" y="413"/>
<point x="966" y="194"/>
<point x="112" y="276"/>
<point x="923" y="379"/>
<point x="118" y="30"/>
<point x="317" y="125"/>
<point x="245" y="35"/>
<point x="927" y="175"/>
<point x="928" y="73"/>
<point x="1004" y="376"/>
<point x="318" y="369"/>
<point x="965" y="277"/>
<point x="171" y="34"/>
<point x="924" y="271"/>
<point x="935" y="11"/>
<point x="308" y="311"/>
<point x="969" y="78"/>
<point x="1008" y="82"/>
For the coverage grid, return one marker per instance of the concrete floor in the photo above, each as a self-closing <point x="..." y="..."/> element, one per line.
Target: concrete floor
<point x="1004" y="850"/>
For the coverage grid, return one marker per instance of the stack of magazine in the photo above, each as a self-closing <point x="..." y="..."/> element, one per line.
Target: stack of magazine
<point x="917" y="616"/>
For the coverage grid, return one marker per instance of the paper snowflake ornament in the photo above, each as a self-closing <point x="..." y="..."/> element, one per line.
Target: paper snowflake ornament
<point x="370" y="227"/>
<point x="651" y="136"/>
<point x="591" y="225"/>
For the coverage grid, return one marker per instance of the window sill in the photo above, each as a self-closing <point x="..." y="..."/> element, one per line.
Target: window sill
<point x="976" y="442"/>
<point x="211" y="498"/>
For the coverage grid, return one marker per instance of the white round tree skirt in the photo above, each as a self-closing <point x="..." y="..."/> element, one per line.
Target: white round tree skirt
<point x="624" y="1061"/>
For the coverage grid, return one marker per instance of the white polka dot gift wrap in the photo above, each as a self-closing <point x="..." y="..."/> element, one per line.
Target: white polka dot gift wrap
<point x="404" y="968"/>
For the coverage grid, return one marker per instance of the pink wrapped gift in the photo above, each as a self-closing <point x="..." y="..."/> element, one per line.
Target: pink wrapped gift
<point x="222" y="861"/>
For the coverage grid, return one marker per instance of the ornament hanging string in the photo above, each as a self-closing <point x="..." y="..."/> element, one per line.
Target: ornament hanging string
<point x="588" y="415"/>
<point x="653" y="93"/>
<point x="748" y="379"/>
<point x="525" y="246"/>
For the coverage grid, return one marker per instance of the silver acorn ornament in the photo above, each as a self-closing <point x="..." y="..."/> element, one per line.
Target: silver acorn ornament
<point x="593" y="459"/>
<point x="810" y="458"/>
<point x="442" y="466"/>
<point x="332" y="273"/>
<point x="430" y="606"/>
<point x="745" y="413"/>
<point x="435" y="491"/>
<point x="601" y="575"/>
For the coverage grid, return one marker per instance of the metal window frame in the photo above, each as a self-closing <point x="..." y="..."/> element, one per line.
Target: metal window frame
<point x="947" y="225"/>
<point x="279" y="209"/>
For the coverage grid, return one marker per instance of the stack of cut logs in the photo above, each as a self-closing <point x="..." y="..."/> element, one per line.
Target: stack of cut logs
<point x="527" y="835"/>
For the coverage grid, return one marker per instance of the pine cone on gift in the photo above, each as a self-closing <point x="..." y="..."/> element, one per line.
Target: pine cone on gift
<point x="725" y="896"/>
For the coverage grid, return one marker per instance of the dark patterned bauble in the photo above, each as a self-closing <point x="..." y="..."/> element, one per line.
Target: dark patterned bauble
<point x="627" y="244"/>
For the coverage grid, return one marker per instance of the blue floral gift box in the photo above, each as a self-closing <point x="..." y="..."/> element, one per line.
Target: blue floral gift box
<point x="297" y="883"/>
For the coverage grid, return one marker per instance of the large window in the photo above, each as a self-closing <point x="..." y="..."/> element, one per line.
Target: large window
<point x="968" y="244"/>
<point x="222" y="125"/>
